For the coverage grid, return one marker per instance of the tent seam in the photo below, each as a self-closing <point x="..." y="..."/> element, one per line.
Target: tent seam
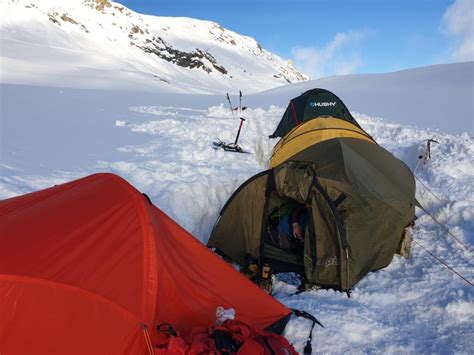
<point x="324" y="129"/>
<point x="145" y="225"/>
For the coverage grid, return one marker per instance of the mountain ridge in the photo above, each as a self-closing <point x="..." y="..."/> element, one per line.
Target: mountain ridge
<point x="164" y="54"/>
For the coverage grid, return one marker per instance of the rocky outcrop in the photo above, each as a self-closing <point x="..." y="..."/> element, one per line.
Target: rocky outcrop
<point x="197" y="59"/>
<point x="98" y="5"/>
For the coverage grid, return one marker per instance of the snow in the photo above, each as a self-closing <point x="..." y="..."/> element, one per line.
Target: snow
<point x="437" y="97"/>
<point x="162" y="144"/>
<point x="73" y="104"/>
<point x="75" y="45"/>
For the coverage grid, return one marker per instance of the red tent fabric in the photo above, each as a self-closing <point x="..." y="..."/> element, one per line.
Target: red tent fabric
<point x="91" y="266"/>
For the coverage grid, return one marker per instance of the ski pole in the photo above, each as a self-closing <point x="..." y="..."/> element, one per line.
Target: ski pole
<point x="230" y="104"/>
<point x="240" y="102"/>
<point x="238" y="132"/>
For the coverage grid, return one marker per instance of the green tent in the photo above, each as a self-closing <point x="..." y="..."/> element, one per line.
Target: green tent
<point x="358" y="196"/>
<point x="309" y="105"/>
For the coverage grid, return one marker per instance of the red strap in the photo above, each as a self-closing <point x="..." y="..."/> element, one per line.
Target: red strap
<point x="295" y="117"/>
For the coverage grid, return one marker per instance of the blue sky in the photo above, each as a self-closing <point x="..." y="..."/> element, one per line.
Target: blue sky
<point x="327" y="37"/>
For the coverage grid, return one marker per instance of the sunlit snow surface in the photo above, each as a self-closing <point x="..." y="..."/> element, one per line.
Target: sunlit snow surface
<point x="80" y="44"/>
<point x="163" y="146"/>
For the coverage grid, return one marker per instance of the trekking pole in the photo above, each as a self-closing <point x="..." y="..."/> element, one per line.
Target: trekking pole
<point x="230" y="104"/>
<point x="240" y="102"/>
<point x="238" y="132"/>
<point x="240" y="111"/>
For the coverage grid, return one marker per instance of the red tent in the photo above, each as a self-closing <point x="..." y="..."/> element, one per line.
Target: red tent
<point x="91" y="266"/>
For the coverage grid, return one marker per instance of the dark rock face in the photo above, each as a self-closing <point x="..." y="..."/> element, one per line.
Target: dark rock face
<point x="278" y="76"/>
<point x="198" y="59"/>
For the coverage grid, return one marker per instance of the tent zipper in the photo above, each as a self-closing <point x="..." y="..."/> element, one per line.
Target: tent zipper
<point x="341" y="232"/>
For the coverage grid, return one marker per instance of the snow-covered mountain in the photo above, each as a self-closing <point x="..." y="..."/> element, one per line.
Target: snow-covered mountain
<point x="102" y="44"/>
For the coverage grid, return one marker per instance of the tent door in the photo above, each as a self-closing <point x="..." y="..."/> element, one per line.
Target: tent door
<point x="280" y="260"/>
<point x="340" y="237"/>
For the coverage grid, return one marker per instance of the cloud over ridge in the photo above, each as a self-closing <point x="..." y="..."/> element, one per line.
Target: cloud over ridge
<point x="338" y="57"/>
<point x="458" y="22"/>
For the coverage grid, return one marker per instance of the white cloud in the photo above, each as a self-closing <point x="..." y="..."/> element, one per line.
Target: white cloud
<point x="458" y="22"/>
<point x="333" y="58"/>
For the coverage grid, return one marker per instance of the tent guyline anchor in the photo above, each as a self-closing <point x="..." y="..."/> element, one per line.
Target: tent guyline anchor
<point x="233" y="147"/>
<point x="426" y="153"/>
<point x="425" y="157"/>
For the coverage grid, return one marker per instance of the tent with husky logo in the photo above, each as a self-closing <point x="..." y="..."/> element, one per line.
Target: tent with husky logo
<point x="309" y="105"/>
<point x="91" y="266"/>
<point x="359" y="200"/>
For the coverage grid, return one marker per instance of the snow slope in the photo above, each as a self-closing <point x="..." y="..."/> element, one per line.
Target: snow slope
<point x="438" y="96"/>
<point x="102" y="44"/>
<point x="162" y="145"/>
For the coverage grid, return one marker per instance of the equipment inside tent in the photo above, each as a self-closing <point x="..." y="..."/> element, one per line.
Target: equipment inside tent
<point x="91" y="266"/>
<point x="359" y="201"/>
<point x="310" y="105"/>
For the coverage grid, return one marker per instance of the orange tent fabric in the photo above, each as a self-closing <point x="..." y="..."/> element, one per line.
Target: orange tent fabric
<point x="91" y="266"/>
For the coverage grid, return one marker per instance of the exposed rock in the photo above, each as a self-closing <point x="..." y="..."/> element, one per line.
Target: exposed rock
<point x="278" y="76"/>
<point x="193" y="60"/>
<point x="136" y="29"/>
<point x="161" y="79"/>
<point x="66" y="18"/>
<point x="98" y="5"/>
<point x="53" y="19"/>
<point x="101" y="4"/>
